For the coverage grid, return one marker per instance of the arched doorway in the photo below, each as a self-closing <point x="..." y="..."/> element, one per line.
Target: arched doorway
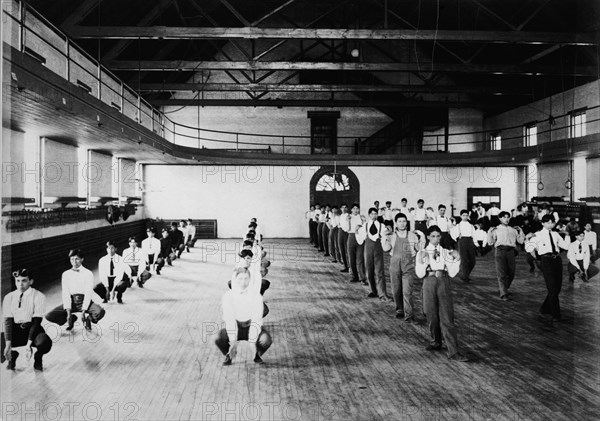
<point x="334" y="186"/>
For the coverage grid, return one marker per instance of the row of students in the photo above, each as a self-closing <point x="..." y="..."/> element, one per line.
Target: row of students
<point x="243" y="306"/>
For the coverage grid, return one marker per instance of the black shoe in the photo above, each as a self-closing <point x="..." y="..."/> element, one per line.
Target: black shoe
<point x="410" y="320"/>
<point x="88" y="323"/>
<point x="334" y="261"/>
<point x="353" y="281"/>
<point x="399" y="315"/>
<point x="120" y="301"/>
<point x="365" y="283"/>
<point x="71" y="322"/>
<point x="37" y="363"/>
<point x="372" y="295"/>
<point x="257" y="359"/>
<point x="458" y="357"/>
<point x="227" y="360"/>
<point x="433" y="347"/>
<point x="345" y="270"/>
<point x="157" y="272"/>
<point x="104" y="301"/>
<point x="326" y="255"/>
<point x="504" y="297"/>
<point x="13" y="360"/>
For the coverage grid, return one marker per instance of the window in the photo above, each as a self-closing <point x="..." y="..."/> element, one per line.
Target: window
<point x="530" y="134"/>
<point x="333" y="182"/>
<point x="577" y="123"/>
<point x="495" y="142"/>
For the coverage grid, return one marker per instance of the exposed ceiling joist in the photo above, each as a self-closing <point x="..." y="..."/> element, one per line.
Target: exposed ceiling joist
<point x="278" y="87"/>
<point x="401" y="103"/>
<point x="178" y="32"/>
<point x="84" y="9"/>
<point x="496" y="69"/>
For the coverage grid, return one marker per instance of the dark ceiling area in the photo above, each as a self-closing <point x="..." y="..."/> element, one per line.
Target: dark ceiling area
<point x="492" y="55"/>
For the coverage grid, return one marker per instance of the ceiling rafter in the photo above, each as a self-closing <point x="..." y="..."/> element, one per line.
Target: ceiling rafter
<point x="496" y="69"/>
<point x="186" y="32"/>
<point x="235" y="12"/>
<point x="84" y="9"/>
<point x="272" y="12"/>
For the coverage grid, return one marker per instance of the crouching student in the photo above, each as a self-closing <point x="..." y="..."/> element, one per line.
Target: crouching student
<point x="77" y="289"/>
<point x="436" y="266"/>
<point x="579" y="257"/>
<point x="114" y="275"/>
<point x="242" y="314"/>
<point x="23" y="311"/>
<point x="137" y="261"/>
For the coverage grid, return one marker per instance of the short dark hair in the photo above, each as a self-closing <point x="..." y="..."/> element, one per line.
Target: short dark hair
<point x="389" y="201"/>
<point x="373" y="210"/>
<point x="356" y="205"/>
<point x="464" y="211"/>
<point x="343" y="204"/>
<point x="441" y="207"/>
<point x="334" y="207"/>
<point x="252" y="225"/>
<point x="388" y="223"/>
<point x="131" y="239"/>
<point x="248" y="243"/>
<point x="548" y="218"/>
<point x="76" y="252"/>
<point x="174" y="224"/>
<point x="503" y="214"/>
<point x="25" y="273"/>
<point x="404" y="199"/>
<point x="152" y="230"/>
<point x="579" y="232"/>
<point x="420" y="201"/>
<point x="110" y="243"/>
<point x="245" y="253"/>
<point x="400" y="215"/>
<point x="434" y="228"/>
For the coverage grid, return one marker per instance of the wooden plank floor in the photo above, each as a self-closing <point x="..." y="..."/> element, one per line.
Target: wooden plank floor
<point x="337" y="355"/>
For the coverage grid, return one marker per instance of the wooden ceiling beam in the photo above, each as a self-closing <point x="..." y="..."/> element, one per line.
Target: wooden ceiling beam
<point x="496" y="69"/>
<point x="178" y="32"/>
<point x="277" y="87"/>
<point x="272" y="12"/>
<point x="400" y="103"/>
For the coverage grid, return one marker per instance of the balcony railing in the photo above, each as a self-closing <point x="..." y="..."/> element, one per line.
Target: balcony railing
<point x="34" y="35"/>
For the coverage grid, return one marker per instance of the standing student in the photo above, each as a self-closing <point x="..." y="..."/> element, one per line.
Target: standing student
<point x="436" y="266"/>
<point x="151" y="246"/>
<point x="579" y="257"/>
<point x="333" y="224"/>
<point x="480" y="240"/>
<point x="591" y="239"/>
<point x="504" y="238"/>
<point x="403" y="246"/>
<point x="388" y="213"/>
<point x="473" y="215"/>
<point x="325" y="229"/>
<point x="77" y="288"/>
<point x="547" y="244"/>
<point x="343" y="230"/>
<point x="310" y="215"/>
<point x="493" y="214"/>
<point x="356" y="250"/>
<point x="420" y="216"/>
<point x="315" y="225"/>
<point x="114" y="275"/>
<point x="463" y="233"/>
<point x="23" y="311"/>
<point x="137" y="261"/>
<point x="405" y="210"/>
<point x="322" y="218"/>
<point x="443" y="222"/>
<point x="190" y="241"/>
<point x="243" y="317"/>
<point x="372" y="233"/>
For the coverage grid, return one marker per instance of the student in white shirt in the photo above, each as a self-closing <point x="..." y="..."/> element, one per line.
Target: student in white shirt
<point x="372" y="233"/>
<point x="23" y="311"/>
<point x="480" y="240"/>
<point x="443" y="222"/>
<point x="436" y="266"/>
<point x="463" y="233"/>
<point x="343" y="229"/>
<point x="420" y="216"/>
<point x="405" y="210"/>
<point x="243" y="317"/>
<point x="190" y="240"/>
<point x="356" y="251"/>
<point x="492" y="214"/>
<point x="332" y="224"/>
<point x="591" y="239"/>
<point x="387" y="213"/>
<point x="114" y="275"/>
<point x="579" y="257"/>
<point x="136" y="259"/>
<point x="151" y="246"/>
<point x="77" y="290"/>
<point x="547" y="244"/>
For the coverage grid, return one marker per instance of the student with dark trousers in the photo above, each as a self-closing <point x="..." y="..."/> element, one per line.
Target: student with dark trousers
<point x="547" y="243"/>
<point x="463" y="234"/>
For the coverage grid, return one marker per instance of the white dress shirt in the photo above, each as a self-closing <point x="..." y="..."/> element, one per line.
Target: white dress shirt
<point x="480" y="235"/>
<point x="135" y="257"/>
<point x="579" y="251"/>
<point x="24" y="308"/>
<point x="388" y="214"/>
<point x="591" y="239"/>
<point x="355" y="221"/>
<point x="493" y="211"/>
<point x="77" y="281"/>
<point x="151" y="246"/>
<point x="420" y="214"/>
<point x="444" y="261"/>
<point x="462" y="229"/>
<point x="242" y="306"/>
<point x="120" y="269"/>
<point x="345" y="222"/>
<point x="191" y="232"/>
<point x="541" y="242"/>
<point x="504" y="235"/>
<point x="441" y="221"/>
